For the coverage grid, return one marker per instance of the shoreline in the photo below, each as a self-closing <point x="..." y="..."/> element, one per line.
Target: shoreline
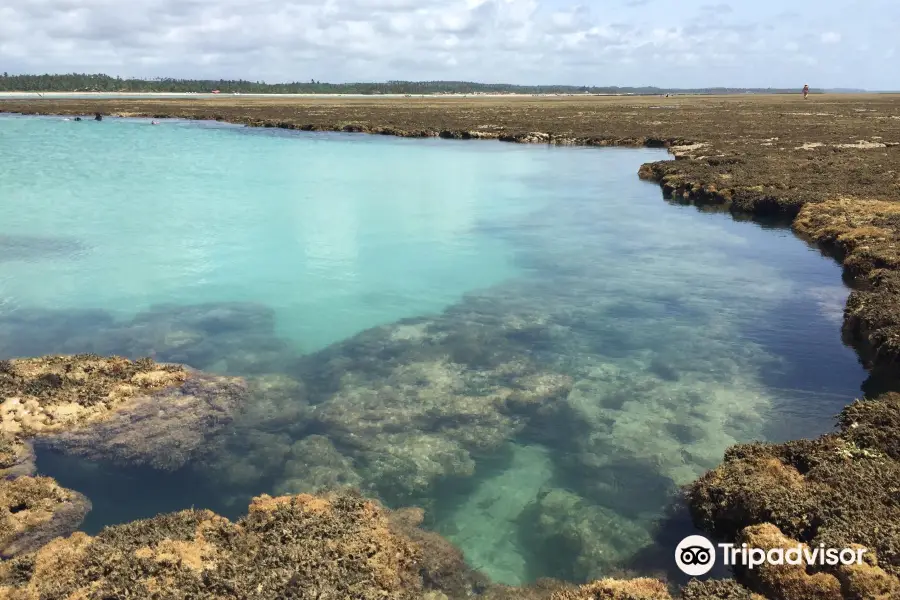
<point x="860" y="231"/>
<point x="209" y="95"/>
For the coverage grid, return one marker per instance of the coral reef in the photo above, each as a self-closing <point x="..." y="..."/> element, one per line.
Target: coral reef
<point x="88" y="405"/>
<point x="314" y="465"/>
<point x="34" y="510"/>
<point x="628" y="425"/>
<point x="863" y="234"/>
<point x="611" y="589"/>
<point x="441" y="564"/>
<point x="623" y="589"/>
<point x="165" y="430"/>
<point x="420" y="412"/>
<point x="717" y="589"/>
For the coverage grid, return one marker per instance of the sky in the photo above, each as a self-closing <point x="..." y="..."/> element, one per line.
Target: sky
<point x="667" y="43"/>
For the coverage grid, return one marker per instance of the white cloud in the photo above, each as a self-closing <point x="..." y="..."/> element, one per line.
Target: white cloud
<point x="519" y="41"/>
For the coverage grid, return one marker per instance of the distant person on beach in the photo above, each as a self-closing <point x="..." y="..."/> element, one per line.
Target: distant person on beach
<point x="77" y="118"/>
<point x="805" y="91"/>
<point x="98" y="117"/>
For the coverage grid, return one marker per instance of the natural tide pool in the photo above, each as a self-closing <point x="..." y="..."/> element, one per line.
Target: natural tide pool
<point x="526" y="341"/>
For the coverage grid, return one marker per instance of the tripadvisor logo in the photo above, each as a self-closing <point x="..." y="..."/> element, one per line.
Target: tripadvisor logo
<point x="695" y="555"/>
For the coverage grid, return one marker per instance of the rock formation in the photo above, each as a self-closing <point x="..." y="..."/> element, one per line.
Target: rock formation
<point x="34" y="510"/>
<point x="840" y="490"/>
<point x="87" y="405"/>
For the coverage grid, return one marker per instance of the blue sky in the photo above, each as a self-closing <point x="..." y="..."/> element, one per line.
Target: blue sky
<point x="672" y="43"/>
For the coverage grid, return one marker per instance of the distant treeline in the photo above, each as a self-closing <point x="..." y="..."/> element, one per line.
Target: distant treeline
<point x="76" y="82"/>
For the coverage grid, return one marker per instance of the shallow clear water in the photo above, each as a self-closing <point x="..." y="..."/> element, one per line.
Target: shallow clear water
<point x="555" y="349"/>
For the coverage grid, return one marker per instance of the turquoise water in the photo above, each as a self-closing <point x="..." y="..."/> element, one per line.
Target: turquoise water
<point x="526" y="341"/>
<point x="206" y="218"/>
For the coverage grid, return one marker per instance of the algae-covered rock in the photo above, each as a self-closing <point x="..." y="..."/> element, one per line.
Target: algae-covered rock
<point x="874" y="425"/>
<point x="164" y="430"/>
<point x="622" y="589"/>
<point x="865" y="580"/>
<point x="277" y="402"/>
<point x="51" y="393"/>
<point x="442" y="565"/>
<point x="333" y="546"/>
<point x="129" y="412"/>
<point x="785" y="581"/>
<point x="615" y="589"/>
<point x="717" y="589"/>
<point x="16" y="456"/>
<point x="757" y="488"/>
<point x="840" y="490"/>
<point x="34" y="510"/>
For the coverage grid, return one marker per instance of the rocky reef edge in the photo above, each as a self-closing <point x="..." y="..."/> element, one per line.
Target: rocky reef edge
<point x="333" y="545"/>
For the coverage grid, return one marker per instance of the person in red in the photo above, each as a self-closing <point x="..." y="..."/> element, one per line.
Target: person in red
<point x="805" y="91"/>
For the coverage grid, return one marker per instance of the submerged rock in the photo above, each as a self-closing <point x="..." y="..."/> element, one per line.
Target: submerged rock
<point x="34" y="510"/>
<point x="314" y="465"/>
<point x="164" y="430"/>
<point x="580" y="539"/>
<point x="26" y="247"/>
<point x="227" y="337"/>
<point x="423" y="420"/>
<point x="129" y="412"/>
